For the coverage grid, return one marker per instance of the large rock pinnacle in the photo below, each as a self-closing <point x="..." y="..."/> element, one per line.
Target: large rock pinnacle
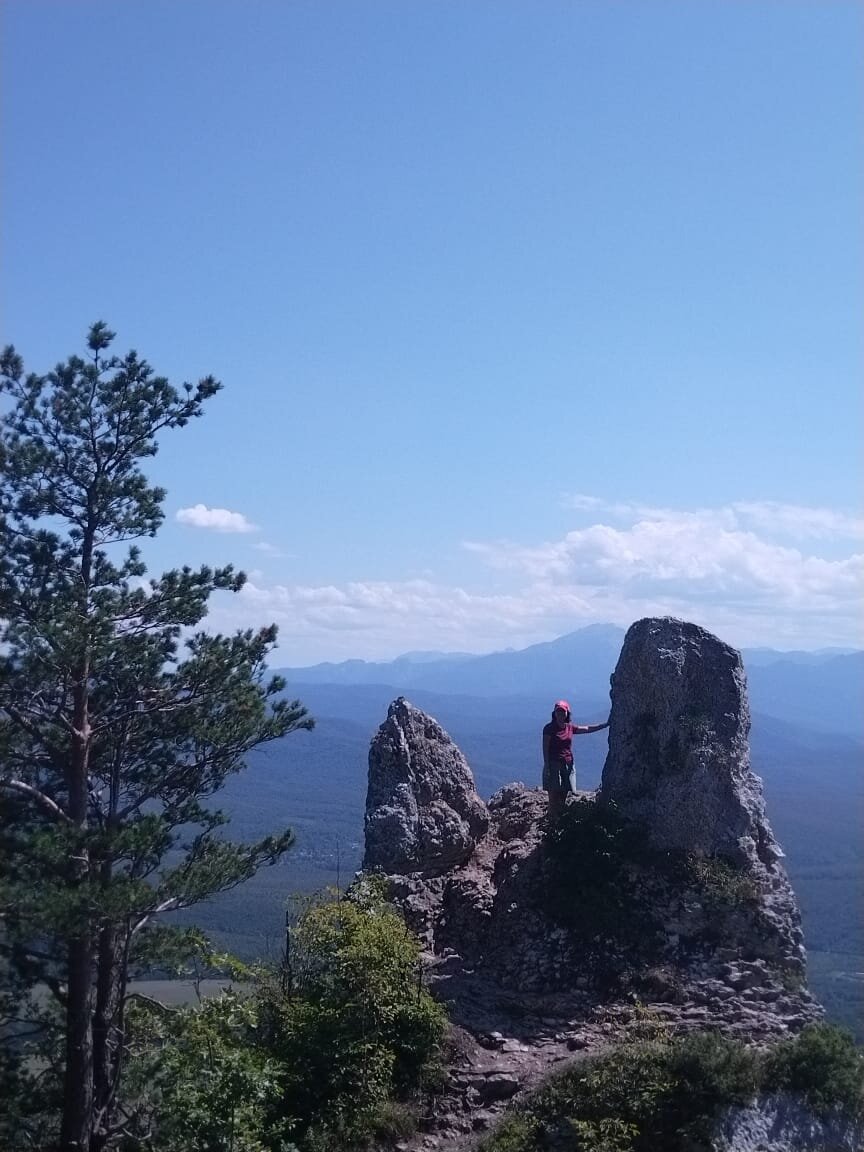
<point x="679" y="759"/>
<point x="422" y="811"/>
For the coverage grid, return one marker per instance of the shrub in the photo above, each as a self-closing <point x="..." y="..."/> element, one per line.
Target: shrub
<point x="202" y="1082"/>
<point x="595" y="860"/>
<point x="515" y="1133"/>
<point x="639" y="1098"/>
<point x="710" y="1073"/>
<point x="821" y="1064"/>
<point x="667" y="1095"/>
<point x="721" y="885"/>
<point x="607" y="1135"/>
<point x="614" y="891"/>
<point x="355" y="1031"/>
<point x="715" y="1068"/>
<point x="327" y="1061"/>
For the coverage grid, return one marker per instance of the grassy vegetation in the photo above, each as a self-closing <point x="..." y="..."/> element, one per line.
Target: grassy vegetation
<point x="667" y="1094"/>
<point x="823" y="1066"/>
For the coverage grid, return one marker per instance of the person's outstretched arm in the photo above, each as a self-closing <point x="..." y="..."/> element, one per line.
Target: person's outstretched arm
<point x="584" y="729"/>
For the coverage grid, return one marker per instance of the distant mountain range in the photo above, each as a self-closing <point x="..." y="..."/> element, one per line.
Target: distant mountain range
<point x="579" y="663"/>
<point x="823" y="690"/>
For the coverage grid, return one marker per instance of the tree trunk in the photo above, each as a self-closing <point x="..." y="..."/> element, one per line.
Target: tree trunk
<point x="77" y="1123"/>
<point x="107" y="1031"/>
<point x="78" y="1082"/>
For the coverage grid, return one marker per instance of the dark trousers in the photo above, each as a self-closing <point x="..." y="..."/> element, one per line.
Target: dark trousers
<point x="558" y="777"/>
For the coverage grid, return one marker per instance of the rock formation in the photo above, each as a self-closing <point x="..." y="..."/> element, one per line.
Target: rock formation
<point x="666" y="887"/>
<point x="422" y="811"/>
<point x="679" y="759"/>
<point x="679" y="765"/>
<point x="785" y="1124"/>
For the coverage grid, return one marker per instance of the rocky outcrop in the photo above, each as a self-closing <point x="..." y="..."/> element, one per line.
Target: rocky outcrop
<point x="679" y="759"/>
<point x="422" y="811"/>
<point x="679" y="766"/>
<point x="667" y="887"/>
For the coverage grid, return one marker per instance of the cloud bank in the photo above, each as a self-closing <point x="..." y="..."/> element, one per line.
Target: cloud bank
<point x="755" y="573"/>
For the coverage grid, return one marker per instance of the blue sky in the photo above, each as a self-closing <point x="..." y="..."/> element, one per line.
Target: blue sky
<point x="528" y="316"/>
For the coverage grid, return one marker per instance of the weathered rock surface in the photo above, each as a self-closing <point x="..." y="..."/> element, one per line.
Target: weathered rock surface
<point x="667" y="886"/>
<point x="679" y="764"/>
<point x="783" y="1124"/>
<point x="679" y="758"/>
<point x="422" y="811"/>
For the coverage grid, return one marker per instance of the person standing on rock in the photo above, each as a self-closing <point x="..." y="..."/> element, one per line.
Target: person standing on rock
<point x="558" y="753"/>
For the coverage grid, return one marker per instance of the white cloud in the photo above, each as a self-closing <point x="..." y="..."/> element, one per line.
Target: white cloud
<point x="800" y="523"/>
<point x="712" y="566"/>
<point x="694" y="556"/>
<point x="580" y="500"/>
<point x="380" y="619"/>
<point x="617" y="509"/>
<point x="217" y="519"/>
<point x="769" y="517"/>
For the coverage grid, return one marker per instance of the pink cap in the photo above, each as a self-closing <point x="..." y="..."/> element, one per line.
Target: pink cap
<point x="562" y="704"/>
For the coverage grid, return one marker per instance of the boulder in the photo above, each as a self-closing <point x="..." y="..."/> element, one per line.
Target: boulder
<point x="782" y="1123"/>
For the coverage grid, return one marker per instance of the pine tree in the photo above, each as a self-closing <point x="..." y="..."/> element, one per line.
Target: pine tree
<point x="115" y="731"/>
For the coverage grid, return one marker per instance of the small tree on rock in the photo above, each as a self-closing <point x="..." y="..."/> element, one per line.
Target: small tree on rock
<point x="112" y="738"/>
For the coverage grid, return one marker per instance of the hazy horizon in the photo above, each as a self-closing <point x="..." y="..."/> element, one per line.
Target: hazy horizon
<point x="425" y="655"/>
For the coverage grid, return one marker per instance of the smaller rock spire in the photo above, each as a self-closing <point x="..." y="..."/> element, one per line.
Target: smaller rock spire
<point x="423" y="813"/>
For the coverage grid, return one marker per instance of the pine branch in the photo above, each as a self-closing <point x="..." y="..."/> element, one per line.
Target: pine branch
<point x="166" y="906"/>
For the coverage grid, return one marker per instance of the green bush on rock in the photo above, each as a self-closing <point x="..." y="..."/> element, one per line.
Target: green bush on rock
<point x="668" y="1094"/>
<point x="596" y="859"/>
<point x="640" y="1097"/>
<point x="614" y="891"/>
<point x="823" y="1066"/>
